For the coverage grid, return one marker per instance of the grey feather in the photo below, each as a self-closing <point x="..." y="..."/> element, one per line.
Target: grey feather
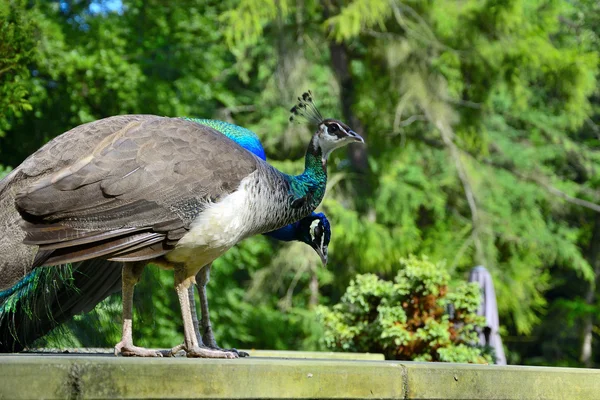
<point x="150" y="173"/>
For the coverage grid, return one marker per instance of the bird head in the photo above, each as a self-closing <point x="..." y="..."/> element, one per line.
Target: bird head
<point x="315" y="231"/>
<point x="331" y="133"/>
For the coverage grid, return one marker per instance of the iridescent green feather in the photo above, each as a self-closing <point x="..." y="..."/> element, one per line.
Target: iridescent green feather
<point x="24" y="296"/>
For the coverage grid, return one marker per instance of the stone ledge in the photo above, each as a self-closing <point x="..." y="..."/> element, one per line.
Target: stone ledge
<point x="253" y="353"/>
<point x="102" y="376"/>
<point x="469" y="381"/>
<point x="316" y="355"/>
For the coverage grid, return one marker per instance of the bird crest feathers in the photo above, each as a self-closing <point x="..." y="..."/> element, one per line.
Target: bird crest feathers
<point x="306" y="108"/>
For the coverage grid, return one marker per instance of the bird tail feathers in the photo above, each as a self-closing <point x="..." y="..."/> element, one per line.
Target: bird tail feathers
<point x="50" y="296"/>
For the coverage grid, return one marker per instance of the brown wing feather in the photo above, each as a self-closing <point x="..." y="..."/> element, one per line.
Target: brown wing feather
<point x="46" y="239"/>
<point x="144" y="251"/>
<point x="15" y="256"/>
<point x="151" y="173"/>
<point x="100" y="249"/>
<point x="64" y="150"/>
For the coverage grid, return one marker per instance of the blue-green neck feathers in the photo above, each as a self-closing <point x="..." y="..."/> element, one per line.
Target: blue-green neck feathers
<point x="242" y="136"/>
<point x="311" y="182"/>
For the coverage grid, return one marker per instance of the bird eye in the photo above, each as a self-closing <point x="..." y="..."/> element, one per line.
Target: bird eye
<point x="332" y="128"/>
<point x="318" y="232"/>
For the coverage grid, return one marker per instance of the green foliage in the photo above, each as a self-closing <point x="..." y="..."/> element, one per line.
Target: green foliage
<point x="250" y="16"/>
<point x="407" y="319"/>
<point x="359" y="15"/>
<point x="4" y="171"/>
<point x="17" y="43"/>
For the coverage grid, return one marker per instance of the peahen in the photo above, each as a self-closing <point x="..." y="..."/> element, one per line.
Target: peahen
<point x="139" y="187"/>
<point x="313" y="230"/>
<point x="47" y="297"/>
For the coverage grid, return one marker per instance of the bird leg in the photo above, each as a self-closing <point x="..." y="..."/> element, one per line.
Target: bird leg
<point x="205" y="328"/>
<point x="202" y="278"/>
<point x="202" y="343"/>
<point x="194" y="314"/>
<point x="131" y="276"/>
<point x="191" y="344"/>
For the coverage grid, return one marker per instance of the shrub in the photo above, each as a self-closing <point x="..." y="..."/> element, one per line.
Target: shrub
<point x="415" y="317"/>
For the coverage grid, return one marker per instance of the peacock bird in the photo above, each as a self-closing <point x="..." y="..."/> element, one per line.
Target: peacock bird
<point x="140" y="187"/>
<point x="314" y="230"/>
<point x="66" y="291"/>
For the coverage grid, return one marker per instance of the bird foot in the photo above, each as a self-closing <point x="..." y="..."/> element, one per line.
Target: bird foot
<point x="205" y="352"/>
<point x="234" y="350"/>
<point x="129" y="350"/>
<point x="209" y="341"/>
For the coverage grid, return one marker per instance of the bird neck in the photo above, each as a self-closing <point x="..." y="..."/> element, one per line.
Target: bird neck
<point x="313" y="180"/>
<point x="242" y="136"/>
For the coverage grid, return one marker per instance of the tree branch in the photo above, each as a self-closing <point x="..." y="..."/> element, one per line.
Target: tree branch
<point x="540" y="181"/>
<point x="6" y="69"/>
<point x="447" y="135"/>
<point x="557" y="192"/>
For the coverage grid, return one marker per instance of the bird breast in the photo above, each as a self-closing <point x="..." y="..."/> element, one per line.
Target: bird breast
<point x="260" y="204"/>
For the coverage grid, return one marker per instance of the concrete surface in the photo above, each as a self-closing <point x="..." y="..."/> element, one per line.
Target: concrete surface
<point x="77" y="376"/>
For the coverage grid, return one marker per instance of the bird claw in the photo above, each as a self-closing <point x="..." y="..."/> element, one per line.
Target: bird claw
<point x="173" y="352"/>
<point x="209" y="342"/>
<point x="233" y="350"/>
<point x="129" y="350"/>
<point x="241" y="353"/>
<point x="206" y="352"/>
<point x="211" y="353"/>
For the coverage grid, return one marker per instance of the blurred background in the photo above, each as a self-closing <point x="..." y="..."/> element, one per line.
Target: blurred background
<point x="481" y="121"/>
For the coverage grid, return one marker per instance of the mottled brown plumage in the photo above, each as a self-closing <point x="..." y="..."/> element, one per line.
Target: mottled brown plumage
<point x="56" y="154"/>
<point x="133" y="194"/>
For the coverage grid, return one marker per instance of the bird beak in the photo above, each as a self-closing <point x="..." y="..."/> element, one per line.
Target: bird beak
<point x="356" y="137"/>
<point x="322" y="252"/>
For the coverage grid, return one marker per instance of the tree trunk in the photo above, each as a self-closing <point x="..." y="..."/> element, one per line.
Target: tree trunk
<point x="590" y="297"/>
<point x="340" y="61"/>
